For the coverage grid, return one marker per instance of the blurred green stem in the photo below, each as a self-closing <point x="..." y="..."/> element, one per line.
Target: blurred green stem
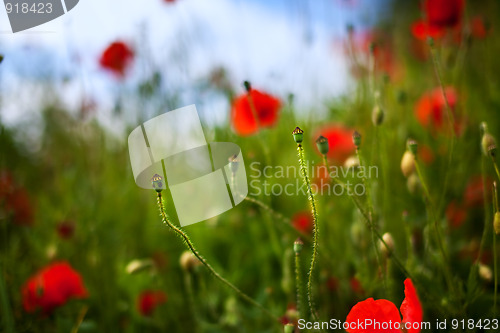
<point x="299" y="287"/>
<point x="6" y="310"/>
<point x="495" y="267"/>
<point x="192" y="304"/>
<point x="451" y="122"/>
<point x="312" y="202"/>
<point x="496" y="166"/>
<point x="195" y="252"/>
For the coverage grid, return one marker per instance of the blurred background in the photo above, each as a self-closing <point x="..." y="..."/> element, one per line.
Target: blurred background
<point x="83" y="248"/>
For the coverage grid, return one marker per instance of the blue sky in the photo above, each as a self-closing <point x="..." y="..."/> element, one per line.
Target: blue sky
<point x="283" y="46"/>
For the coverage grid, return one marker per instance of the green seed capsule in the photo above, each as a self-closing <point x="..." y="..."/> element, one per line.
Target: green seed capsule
<point x="298" y="135"/>
<point x="496" y="223"/>
<point x="322" y="144"/>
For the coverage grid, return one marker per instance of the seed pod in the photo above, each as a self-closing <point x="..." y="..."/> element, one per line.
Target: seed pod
<point x="413" y="183"/>
<point x="298" y="135"/>
<point x="322" y="144"/>
<point x="351" y="162"/>
<point x="496" y="223"/>
<point x="412" y="146"/>
<point x="1" y="58"/>
<point x="289" y="328"/>
<point x="157" y="182"/>
<point x="297" y="246"/>
<point x="356" y="139"/>
<point x="377" y="115"/>
<point x="492" y="150"/>
<point x="408" y="163"/>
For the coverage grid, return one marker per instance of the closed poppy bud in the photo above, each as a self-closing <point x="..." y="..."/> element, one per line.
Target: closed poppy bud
<point x="322" y="144"/>
<point x="413" y="183"/>
<point x="487" y="141"/>
<point x="1" y="58"/>
<point x="298" y="135"/>
<point x="386" y="250"/>
<point x="297" y="246"/>
<point x="483" y="127"/>
<point x="188" y="261"/>
<point x="496" y="223"/>
<point x="351" y="162"/>
<point x="412" y="146"/>
<point x="289" y="328"/>
<point x="377" y="115"/>
<point x="247" y="86"/>
<point x="408" y="163"/>
<point x="356" y="139"/>
<point x="485" y="273"/>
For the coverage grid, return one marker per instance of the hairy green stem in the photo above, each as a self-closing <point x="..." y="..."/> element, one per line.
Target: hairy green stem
<point x="312" y="202"/>
<point x="299" y="287"/>
<point x="195" y="252"/>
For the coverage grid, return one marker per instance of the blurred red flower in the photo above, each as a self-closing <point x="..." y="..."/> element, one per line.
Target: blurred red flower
<point x="474" y="193"/>
<point x="52" y="287"/>
<point x="439" y="15"/>
<point x="431" y="108"/>
<point x="66" y="229"/>
<point x="339" y="141"/>
<point x="149" y="300"/>
<point x="384" y="311"/>
<point x="478" y="28"/>
<point x="117" y="57"/>
<point x="17" y="204"/>
<point x="265" y="107"/>
<point x="356" y="286"/>
<point x="303" y="222"/>
<point x="455" y="214"/>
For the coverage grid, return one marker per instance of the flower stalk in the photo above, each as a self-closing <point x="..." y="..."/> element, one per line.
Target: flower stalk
<point x="298" y="136"/>
<point x="185" y="238"/>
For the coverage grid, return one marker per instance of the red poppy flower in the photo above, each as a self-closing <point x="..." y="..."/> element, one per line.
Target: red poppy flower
<point x="455" y="214"/>
<point x="431" y="108"/>
<point x="6" y="183"/>
<point x="149" y="300"/>
<point x="384" y="311"/>
<point x="52" y="287"/>
<point x="439" y="15"/>
<point x="17" y="204"/>
<point x="258" y="105"/>
<point x="339" y="141"/>
<point x="303" y="222"/>
<point x="116" y="58"/>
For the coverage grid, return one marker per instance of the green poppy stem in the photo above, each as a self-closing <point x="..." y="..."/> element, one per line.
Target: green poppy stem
<point x="312" y="202"/>
<point x="195" y="252"/>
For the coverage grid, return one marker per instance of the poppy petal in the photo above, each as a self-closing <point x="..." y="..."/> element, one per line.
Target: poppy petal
<point x="411" y="309"/>
<point x="380" y="311"/>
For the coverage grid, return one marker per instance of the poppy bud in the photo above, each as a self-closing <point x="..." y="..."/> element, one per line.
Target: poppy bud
<point x="356" y="139"/>
<point x="496" y="223"/>
<point x="485" y="273"/>
<point x="297" y="246"/>
<point x="492" y="150"/>
<point x="289" y="328"/>
<point x="298" y="135"/>
<point x="248" y="86"/>
<point x="157" y="182"/>
<point x="1" y="58"/>
<point x="408" y="163"/>
<point x="351" y="162"/>
<point x="377" y="115"/>
<point x="487" y="141"/>
<point x="322" y="144"/>
<point x="138" y="265"/>
<point x="412" y="146"/>
<point x="483" y="128"/>
<point x="188" y="261"/>
<point x="413" y="183"/>
<point x="386" y="251"/>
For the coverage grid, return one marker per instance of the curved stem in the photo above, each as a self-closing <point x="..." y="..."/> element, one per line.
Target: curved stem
<point x="314" y="212"/>
<point x="195" y="252"/>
